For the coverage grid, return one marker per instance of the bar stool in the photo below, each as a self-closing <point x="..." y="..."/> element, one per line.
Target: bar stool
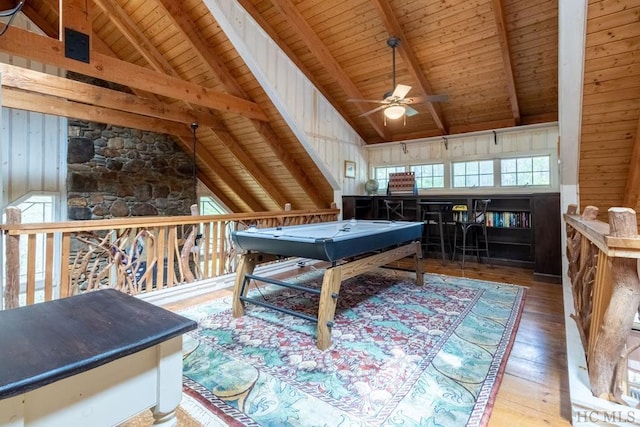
<point x="474" y="225"/>
<point x="395" y="209"/>
<point x="433" y="213"/>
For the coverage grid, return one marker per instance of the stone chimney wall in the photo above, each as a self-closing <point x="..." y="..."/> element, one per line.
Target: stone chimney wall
<point x="119" y="172"/>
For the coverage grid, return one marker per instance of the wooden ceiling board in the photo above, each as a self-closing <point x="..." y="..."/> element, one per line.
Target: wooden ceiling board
<point x="239" y="129"/>
<point x="454" y="43"/>
<point x="452" y="24"/>
<point x="611" y="101"/>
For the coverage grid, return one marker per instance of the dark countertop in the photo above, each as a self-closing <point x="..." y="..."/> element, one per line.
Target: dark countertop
<point x="46" y="342"/>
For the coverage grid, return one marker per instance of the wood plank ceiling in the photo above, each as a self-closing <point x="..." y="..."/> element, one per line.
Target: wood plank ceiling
<point x="495" y="60"/>
<point x="610" y="141"/>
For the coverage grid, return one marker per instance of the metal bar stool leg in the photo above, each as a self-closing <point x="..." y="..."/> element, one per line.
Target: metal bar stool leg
<point x="486" y="245"/>
<point x="455" y="243"/>
<point x="441" y="229"/>
<point x="464" y="244"/>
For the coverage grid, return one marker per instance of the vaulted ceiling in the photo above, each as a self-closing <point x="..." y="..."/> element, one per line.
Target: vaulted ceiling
<point x="494" y="60"/>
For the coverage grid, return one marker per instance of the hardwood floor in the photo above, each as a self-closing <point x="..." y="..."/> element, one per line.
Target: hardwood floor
<point x="535" y="386"/>
<point x="534" y="389"/>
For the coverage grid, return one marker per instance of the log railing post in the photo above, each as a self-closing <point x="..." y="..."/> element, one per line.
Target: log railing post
<point x="617" y="321"/>
<point x="12" y="263"/>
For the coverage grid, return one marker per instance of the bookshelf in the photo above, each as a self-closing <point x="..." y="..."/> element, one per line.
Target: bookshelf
<point x="524" y="230"/>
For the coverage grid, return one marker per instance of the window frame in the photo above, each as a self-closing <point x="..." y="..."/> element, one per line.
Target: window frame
<point x="382" y="189"/>
<point x="532" y="172"/>
<point x="432" y="177"/>
<point x="466" y="176"/>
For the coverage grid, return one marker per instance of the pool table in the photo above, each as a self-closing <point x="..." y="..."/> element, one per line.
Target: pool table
<point x="352" y="247"/>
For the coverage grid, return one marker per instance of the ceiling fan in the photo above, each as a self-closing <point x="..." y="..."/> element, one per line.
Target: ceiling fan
<point x="394" y="104"/>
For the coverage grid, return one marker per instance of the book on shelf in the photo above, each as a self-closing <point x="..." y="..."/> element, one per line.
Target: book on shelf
<point x="508" y="219"/>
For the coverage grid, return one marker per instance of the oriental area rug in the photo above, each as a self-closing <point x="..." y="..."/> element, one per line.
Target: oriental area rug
<point x="401" y="354"/>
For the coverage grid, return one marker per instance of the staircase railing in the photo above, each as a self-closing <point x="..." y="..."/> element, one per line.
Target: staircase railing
<point x="603" y="268"/>
<point x="133" y="255"/>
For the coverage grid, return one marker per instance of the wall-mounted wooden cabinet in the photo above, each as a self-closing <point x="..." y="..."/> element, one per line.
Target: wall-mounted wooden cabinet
<point x="523" y="229"/>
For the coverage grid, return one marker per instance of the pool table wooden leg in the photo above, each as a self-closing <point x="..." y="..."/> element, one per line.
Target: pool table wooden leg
<point x="246" y="266"/>
<point x="327" y="308"/>
<point x="417" y="257"/>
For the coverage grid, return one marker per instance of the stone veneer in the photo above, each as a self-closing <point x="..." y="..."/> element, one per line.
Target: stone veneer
<point x="119" y="172"/>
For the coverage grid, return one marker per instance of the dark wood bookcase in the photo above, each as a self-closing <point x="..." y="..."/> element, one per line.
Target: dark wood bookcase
<point x="523" y="229"/>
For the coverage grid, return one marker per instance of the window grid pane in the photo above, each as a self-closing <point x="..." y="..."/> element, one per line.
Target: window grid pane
<point x="473" y="174"/>
<point x="429" y="176"/>
<point x="382" y="176"/>
<point x="525" y="171"/>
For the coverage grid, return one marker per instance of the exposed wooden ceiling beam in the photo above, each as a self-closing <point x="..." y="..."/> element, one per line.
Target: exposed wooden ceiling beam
<point x="416" y="135"/>
<point x="75" y="14"/>
<point x="632" y="187"/>
<point x="203" y="154"/>
<point x="36" y="18"/>
<point x="136" y="38"/>
<point x="31" y="101"/>
<point x="394" y="29"/>
<point x="273" y="34"/>
<point x="187" y="27"/>
<point x="219" y="194"/>
<point x="506" y="58"/>
<point x="48" y="51"/>
<point x="473" y="127"/>
<point x="221" y="172"/>
<point x="217" y="66"/>
<point x="539" y="118"/>
<point x="47" y="84"/>
<point x="320" y="51"/>
<point x="123" y="22"/>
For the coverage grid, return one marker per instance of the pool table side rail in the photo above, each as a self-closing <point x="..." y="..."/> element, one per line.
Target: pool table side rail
<point x="328" y="248"/>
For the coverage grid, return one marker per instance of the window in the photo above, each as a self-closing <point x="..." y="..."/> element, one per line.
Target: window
<point x="523" y="171"/>
<point x="210" y="206"/>
<point x="429" y="176"/>
<point x="477" y="173"/>
<point x="35" y="208"/>
<point x="382" y="176"/>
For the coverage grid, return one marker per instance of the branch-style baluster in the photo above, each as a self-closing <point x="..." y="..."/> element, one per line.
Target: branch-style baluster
<point x="107" y="254"/>
<point x="582" y="257"/>
<point x="618" y="318"/>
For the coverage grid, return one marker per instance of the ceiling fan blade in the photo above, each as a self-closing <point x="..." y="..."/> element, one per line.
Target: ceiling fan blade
<point x="375" y="101"/>
<point x="409" y="111"/>
<point x="430" y="98"/>
<point x="401" y="91"/>
<point x="382" y="107"/>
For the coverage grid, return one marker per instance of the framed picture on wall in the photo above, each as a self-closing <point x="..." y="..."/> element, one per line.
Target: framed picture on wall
<point x="349" y="169"/>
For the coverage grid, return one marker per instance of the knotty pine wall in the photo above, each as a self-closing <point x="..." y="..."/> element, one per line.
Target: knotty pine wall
<point x="611" y="104"/>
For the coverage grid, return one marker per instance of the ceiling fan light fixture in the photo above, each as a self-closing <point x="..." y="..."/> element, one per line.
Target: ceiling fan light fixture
<point x="394" y="112"/>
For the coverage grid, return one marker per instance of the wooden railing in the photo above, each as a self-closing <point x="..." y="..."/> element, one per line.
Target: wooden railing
<point x="603" y="268"/>
<point x="133" y="255"/>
